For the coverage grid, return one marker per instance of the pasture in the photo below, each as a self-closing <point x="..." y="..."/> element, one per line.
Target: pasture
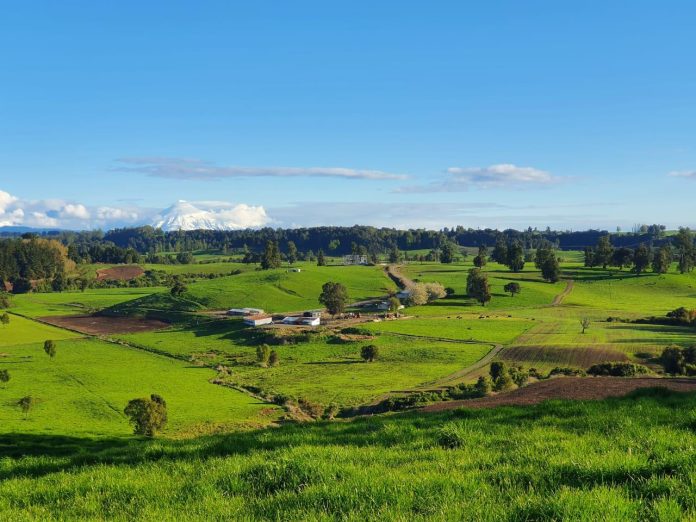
<point x="618" y="459"/>
<point x="83" y="390"/>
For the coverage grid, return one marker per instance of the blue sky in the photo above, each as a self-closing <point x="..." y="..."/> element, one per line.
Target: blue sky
<point x="504" y="114"/>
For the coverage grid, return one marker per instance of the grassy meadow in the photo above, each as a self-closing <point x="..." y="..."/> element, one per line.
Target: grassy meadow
<point x="620" y="459"/>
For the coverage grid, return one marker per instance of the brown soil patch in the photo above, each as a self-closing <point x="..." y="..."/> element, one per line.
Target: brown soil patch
<point x="101" y="325"/>
<point x="569" y="388"/>
<point x="582" y="357"/>
<point x="119" y="273"/>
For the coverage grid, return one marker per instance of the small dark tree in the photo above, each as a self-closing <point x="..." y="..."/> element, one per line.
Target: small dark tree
<point x="673" y="360"/>
<point x="504" y="382"/>
<point x="26" y="404"/>
<point x="483" y="386"/>
<point x="622" y="257"/>
<point x="500" y="252"/>
<point x="550" y="268"/>
<point x="585" y="323"/>
<point x="661" y="260"/>
<point x="50" y="348"/>
<point x="147" y="415"/>
<point x="292" y="252"/>
<point x="477" y="286"/>
<point x="273" y="358"/>
<point x="178" y="288"/>
<point x="334" y="296"/>
<point x="604" y="252"/>
<point x="369" y="353"/>
<point x="447" y="252"/>
<point x="271" y="256"/>
<point x="496" y="369"/>
<point x="481" y="258"/>
<point x="684" y="242"/>
<point x="512" y="288"/>
<point x="5" y="319"/>
<point x="4" y="376"/>
<point x="321" y="260"/>
<point x="641" y="259"/>
<point x="515" y="259"/>
<point x="184" y="258"/>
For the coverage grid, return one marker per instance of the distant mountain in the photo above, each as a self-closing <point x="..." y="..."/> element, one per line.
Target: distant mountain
<point x="184" y="215"/>
<point x="15" y="230"/>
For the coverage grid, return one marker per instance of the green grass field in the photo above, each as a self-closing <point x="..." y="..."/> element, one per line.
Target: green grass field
<point x="614" y="460"/>
<point x="273" y="290"/>
<point x="83" y="391"/>
<point x="324" y="370"/>
<point x="71" y="303"/>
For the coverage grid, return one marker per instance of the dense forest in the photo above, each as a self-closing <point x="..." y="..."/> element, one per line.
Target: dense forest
<point x="96" y="246"/>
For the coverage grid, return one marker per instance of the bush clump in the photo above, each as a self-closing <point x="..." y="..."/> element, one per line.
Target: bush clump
<point x="567" y="371"/>
<point x="618" y="369"/>
<point x="451" y="436"/>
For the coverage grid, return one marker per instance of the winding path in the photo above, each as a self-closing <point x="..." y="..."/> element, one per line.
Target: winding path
<point x="566" y="291"/>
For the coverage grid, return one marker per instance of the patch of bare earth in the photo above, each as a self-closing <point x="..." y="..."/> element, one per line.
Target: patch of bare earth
<point x="569" y="388"/>
<point x="582" y="357"/>
<point x="101" y="325"/>
<point x="119" y="273"/>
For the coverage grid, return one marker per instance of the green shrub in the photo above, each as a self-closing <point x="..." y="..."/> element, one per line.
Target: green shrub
<point x="618" y="369"/>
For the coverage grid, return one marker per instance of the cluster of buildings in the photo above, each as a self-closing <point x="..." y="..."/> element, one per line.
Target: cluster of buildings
<point x="256" y="317"/>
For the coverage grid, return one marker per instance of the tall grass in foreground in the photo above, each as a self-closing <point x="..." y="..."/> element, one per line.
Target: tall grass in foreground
<point x="622" y="459"/>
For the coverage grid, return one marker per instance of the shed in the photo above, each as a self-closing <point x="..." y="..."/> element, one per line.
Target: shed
<point x="257" y="320"/>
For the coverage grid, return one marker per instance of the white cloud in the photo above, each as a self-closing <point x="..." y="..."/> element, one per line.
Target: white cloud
<point x="683" y="174"/>
<point x="500" y="176"/>
<point x="77" y="211"/>
<point x="193" y="169"/>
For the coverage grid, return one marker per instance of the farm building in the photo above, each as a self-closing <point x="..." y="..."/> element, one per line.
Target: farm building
<point x="245" y="311"/>
<point x="303" y="321"/>
<point x="354" y="260"/>
<point x="294" y="270"/>
<point x="257" y="320"/>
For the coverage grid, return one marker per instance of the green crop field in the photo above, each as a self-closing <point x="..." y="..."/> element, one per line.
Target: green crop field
<point x="24" y="331"/>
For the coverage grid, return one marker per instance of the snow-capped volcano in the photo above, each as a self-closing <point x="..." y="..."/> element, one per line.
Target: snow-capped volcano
<point x="184" y="215"/>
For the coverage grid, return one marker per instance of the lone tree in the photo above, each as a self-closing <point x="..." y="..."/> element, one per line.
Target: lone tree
<point x="546" y="261"/>
<point x="50" y="348"/>
<point x="5" y="319"/>
<point x="515" y="257"/>
<point x="512" y="288"/>
<point x="447" y="252"/>
<point x="604" y="252"/>
<point x="684" y="241"/>
<point x="178" y="288"/>
<point x="4" y="376"/>
<point x="500" y="252"/>
<point x="26" y="404"/>
<point x="271" y="256"/>
<point x="292" y="252"/>
<point x="334" y="296"/>
<point x="662" y="259"/>
<point x="263" y="353"/>
<point x="369" y="353"/>
<point x="147" y="415"/>
<point x="394" y="304"/>
<point x="477" y="286"/>
<point x="321" y="260"/>
<point x="480" y="259"/>
<point x="641" y="259"/>
<point x="273" y="358"/>
<point x="585" y="323"/>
